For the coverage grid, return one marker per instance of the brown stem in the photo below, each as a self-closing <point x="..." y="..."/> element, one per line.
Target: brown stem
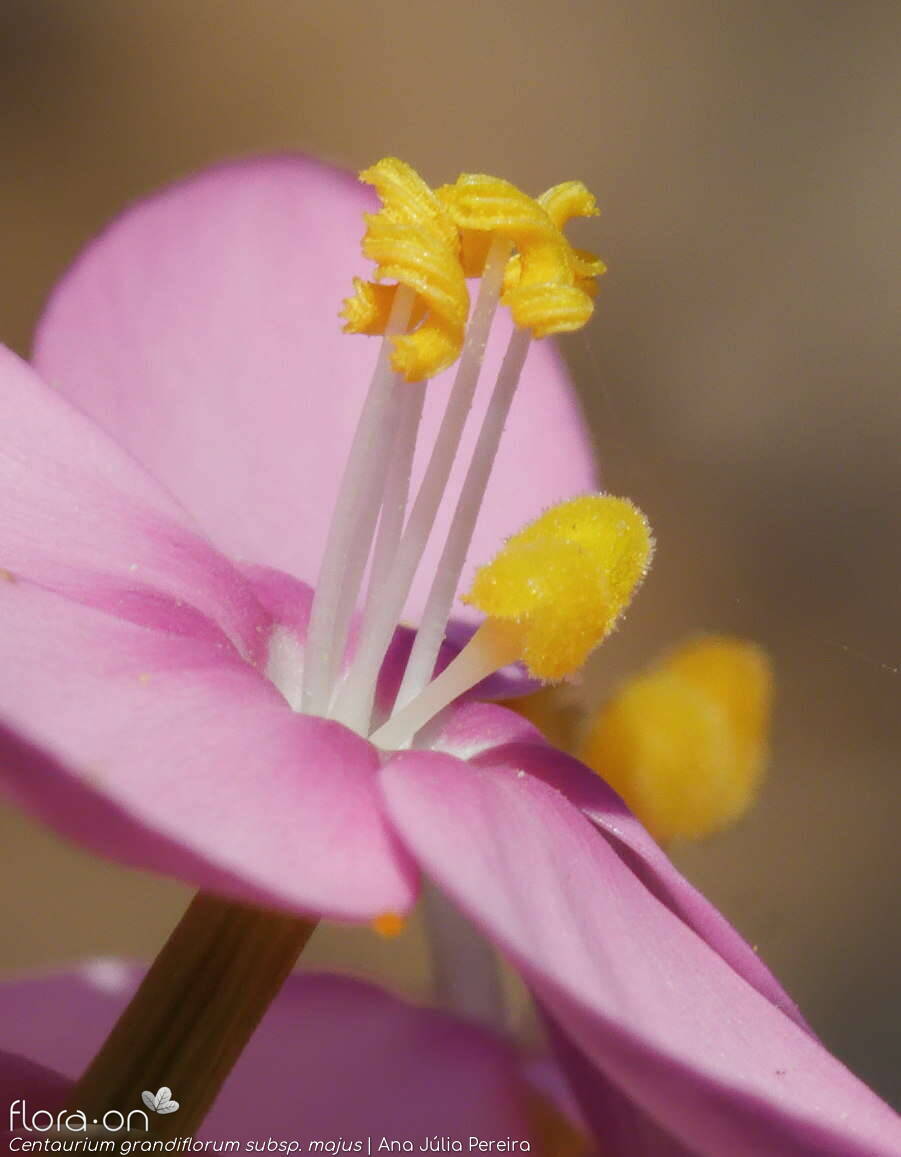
<point x="193" y="1014"/>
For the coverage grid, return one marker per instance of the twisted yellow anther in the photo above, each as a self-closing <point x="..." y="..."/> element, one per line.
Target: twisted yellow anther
<point x="548" y="285"/>
<point x="412" y="241"/>
<point x="562" y="203"/>
<point x="558" y="587"/>
<point x="685" y="743"/>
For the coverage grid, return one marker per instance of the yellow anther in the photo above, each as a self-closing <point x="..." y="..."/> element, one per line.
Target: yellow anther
<point x="563" y="202"/>
<point x="557" y="588"/>
<point x="389" y="925"/>
<point x="413" y="242"/>
<point x="369" y="309"/>
<point x="491" y="206"/>
<point x="546" y="285"/>
<point x="685" y="744"/>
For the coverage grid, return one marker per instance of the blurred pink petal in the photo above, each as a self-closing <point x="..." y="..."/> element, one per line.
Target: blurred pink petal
<point x="22" y="1079"/>
<point x="332" y="1057"/>
<point x="201" y="329"/>
<point x="656" y="1010"/>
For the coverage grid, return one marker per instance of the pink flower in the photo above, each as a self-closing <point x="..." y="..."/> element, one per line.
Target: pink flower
<point x="200" y="331"/>
<point x="333" y="1058"/>
<point x="139" y="718"/>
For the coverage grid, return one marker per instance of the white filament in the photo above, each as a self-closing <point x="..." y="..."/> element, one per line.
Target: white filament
<point x="353" y="521"/>
<point x="490" y="648"/>
<point x="355" y="698"/>
<point x="397" y="490"/>
<point x="421" y="663"/>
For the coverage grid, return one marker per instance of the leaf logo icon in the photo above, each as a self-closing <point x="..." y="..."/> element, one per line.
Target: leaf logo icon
<point x="161" y="1103"/>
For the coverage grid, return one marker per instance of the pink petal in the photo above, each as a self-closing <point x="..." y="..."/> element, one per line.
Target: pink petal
<point x="332" y="1057"/>
<point x="201" y="329"/>
<point x="22" y="1080"/>
<point x="80" y="516"/>
<point x="170" y="753"/>
<point x="663" y="1017"/>
<point x="362" y="1063"/>
<point x="471" y="729"/>
<point x="87" y="1000"/>
<point x="604" y="807"/>
<point x="620" y="1126"/>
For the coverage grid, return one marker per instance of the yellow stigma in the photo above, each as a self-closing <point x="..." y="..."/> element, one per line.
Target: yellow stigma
<point x="413" y="242"/>
<point x="685" y="744"/>
<point x="548" y="285"/>
<point x="557" y="588"/>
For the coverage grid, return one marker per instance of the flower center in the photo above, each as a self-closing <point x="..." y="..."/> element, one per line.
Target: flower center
<point x="558" y="586"/>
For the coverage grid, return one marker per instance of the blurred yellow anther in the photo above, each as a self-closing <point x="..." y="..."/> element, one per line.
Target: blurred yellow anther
<point x="548" y="285"/>
<point x="413" y="242"/>
<point x="685" y="744"/>
<point x="388" y="925"/>
<point x="556" y="589"/>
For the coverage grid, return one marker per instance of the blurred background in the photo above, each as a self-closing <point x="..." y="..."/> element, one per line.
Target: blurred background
<point x="740" y="375"/>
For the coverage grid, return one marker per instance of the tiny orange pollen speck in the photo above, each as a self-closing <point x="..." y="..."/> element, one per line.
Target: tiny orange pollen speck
<point x="388" y="925"/>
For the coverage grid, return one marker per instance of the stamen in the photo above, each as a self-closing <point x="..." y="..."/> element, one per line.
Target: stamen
<point x="429" y="241"/>
<point x="412" y="241"/>
<point x="397" y="489"/>
<point x="545" y="288"/>
<point x="494" y="645"/>
<point x="562" y="203"/>
<point x="422" y="659"/>
<point x="562" y="583"/>
<point x="546" y="285"/>
<point x="350" y="533"/>
<point x="685" y="743"/>
<point x="355" y="698"/>
<point x="552" y="594"/>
